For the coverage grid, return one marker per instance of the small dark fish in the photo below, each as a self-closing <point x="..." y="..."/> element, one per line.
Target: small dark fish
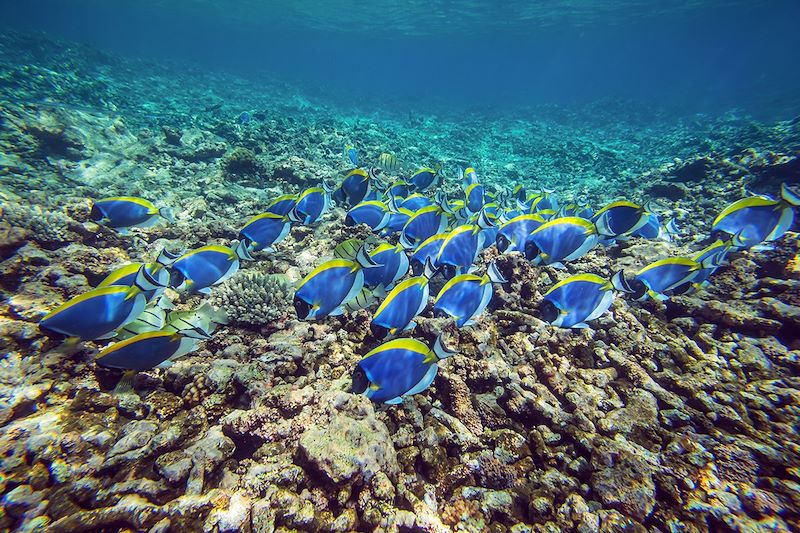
<point x="245" y="118"/>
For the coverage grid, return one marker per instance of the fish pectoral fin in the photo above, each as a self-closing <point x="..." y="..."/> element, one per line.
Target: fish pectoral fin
<point x="204" y="290"/>
<point x="558" y="265"/>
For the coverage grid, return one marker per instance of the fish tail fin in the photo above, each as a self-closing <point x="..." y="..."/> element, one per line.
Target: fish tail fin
<point x="125" y="384"/>
<point x="713" y="261"/>
<point x="494" y="274"/>
<point x="240" y="248"/>
<point x="737" y="241"/>
<point x="166" y="258"/>
<point x="328" y="187"/>
<point x="145" y="281"/>
<point x="363" y="258"/>
<point x="168" y="214"/>
<point x="392" y="204"/>
<point x="405" y="243"/>
<point x="296" y="216"/>
<point x="619" y="282"/>
<point x="440" y="350"/>
<point x="484" y="222"/>
<point x="789" y="196"/>
<point x="672" y="227"/>
<point x="165" y="303"/>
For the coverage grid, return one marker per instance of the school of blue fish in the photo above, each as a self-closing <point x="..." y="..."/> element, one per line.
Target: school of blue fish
<point x="417" y="237"/>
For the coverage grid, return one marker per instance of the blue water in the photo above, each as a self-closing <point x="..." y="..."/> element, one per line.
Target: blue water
<point x="466" y="56"/>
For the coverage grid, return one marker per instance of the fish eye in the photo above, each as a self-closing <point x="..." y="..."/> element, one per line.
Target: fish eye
<point x="348" y="221"/>
<point x="531" y="250"/>
<point x="176" y="278"/>
<point x="449" y="271"/>
<point x="639" y="289"/>
<point x="301" y="307"/>
<point x="548" y="311"/>
<point x="95" y="214"/>
<point x="360" y="381"/>
<point x="440" y="313"/>
<point x="502" y="243"/>
<point x="378" y="331"/>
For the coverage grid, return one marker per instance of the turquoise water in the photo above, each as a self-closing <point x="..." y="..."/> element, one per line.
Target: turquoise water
<point x="413" y="266"/>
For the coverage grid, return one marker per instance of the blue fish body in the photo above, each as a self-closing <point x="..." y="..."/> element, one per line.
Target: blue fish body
<point x="460" y="249"/>
<point x="282" y="204"/>
<point x="245" y="118"/>
<point x="519" y="193"/>
<point x="392" y="264"/>
<point x="355" y="186"/>
<point x="397" y="221"/>
<point x="560" y="239"/>
<point x="311" y="204"/>
<point x="415" y="202"/>
<point x="95" y="314"/>
<point x="422" y="179"/>
<point x="576" y="300"/>
<point x="122" y="212"/>
<point x="327" y="288"/>
<point x="512" y="235"/>
<point x="373" y="213"/>
<point x="547" y="201"/>
<point x="395" y="314"/>
<point x="427" y="251"/>
<point x="464" y="298"/>
<point x="351" y="154"/>
<point x="475" y="197"/>
<point x="665" y="275"/>
<point x="651" y="229"/>
<point x="755" y="220"/>
<point x="424" y="223"/>
<point x="204" y="267"/>
<point x="469" y="177"/>
<point x="398" y="368"/>
<point x="264" y="230"/>
<point x="145" y="351"/>
<point x="620" y="218"/>
<point x="399" y="189"/>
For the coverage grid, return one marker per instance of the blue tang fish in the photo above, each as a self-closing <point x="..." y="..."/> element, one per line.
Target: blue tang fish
<point x="398" y="189"/>
<point x="465" y="297"/>
<point x="263" y="231"/>
<point x="512" y="235"/>
<point x="423" y="178"/>
<point x="97" y="313"/>
<point x="475" y="197"/>
<point x="150" y="349"/>
<point x="124" y="212"/>
<point x="330" y="286"/>
<point x="545" y="200"/>
<point x="414" y="202"/>
<point x="652" y="229"/>
<point x="519" y="193"/>
<point x="426" y="253"/>
<point x="576" y="300"/>
<point x="282" y="204"/>
<point x="620" y="218"/>
<point x="663" y="276"/>
<point x="392" y="264"/>
<point x="396" y="313"/>
<point x="310" y="205"/>
<point x="355" y="187"/>
<point x="398" y="368"/>
<point x="758" y="219"/>
<point x="245" y="118"/>
<point x="460" y="249"/>
<point x="560" y="239"/>
<point x="373" y="213"/>
<point x="422" y="225"/>
<point x="397" y="220"/>
<point x="468" y="176"/>
<point x="351" y="154"/>
<point x="200" y="269"/>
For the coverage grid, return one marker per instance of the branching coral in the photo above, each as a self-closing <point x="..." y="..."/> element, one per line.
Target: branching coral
<point x="254" y="298"/>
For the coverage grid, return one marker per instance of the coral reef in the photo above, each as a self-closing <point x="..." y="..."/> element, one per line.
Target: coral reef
<point x="665" y="416"/>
